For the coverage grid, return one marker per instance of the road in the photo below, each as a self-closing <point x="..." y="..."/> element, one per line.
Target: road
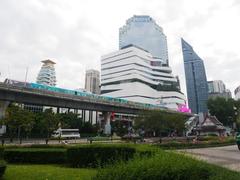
<point x="227" y="156"/>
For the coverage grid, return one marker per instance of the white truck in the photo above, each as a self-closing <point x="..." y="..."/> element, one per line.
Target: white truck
<point x="66" y="133"/>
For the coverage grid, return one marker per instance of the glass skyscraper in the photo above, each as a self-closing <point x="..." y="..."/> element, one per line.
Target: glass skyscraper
<point x="143" y="32"/>
<point x="196" y="81"/>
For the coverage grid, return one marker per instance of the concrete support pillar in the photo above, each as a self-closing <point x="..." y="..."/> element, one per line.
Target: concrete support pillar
<point x="107" y="128"/>
<point x="3" y="108"/>
<point x="83" y="115"/>
<point x="97" y="117"/>
<point x="75" y="111"/>
<point x="90" y="116"/>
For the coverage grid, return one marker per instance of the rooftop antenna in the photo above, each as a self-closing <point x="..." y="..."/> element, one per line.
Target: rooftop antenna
<point x="9" y="72"/>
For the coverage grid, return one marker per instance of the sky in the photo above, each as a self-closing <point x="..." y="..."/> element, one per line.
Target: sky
<point x="75" y="34"/>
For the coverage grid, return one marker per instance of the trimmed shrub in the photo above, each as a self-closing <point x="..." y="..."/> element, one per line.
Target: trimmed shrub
<point x="1" y="152"/>
<point x="203" y="144"/>
<point x="43" y="146"/>
<point x="98" y="155"/>
<point x="35" y="155"/>
<point x="165" y="166"/>
<point x="3" y="167"/>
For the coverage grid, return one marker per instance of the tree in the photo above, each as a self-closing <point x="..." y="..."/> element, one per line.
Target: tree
<point x="223" y="109"/>
<point x="49" y="122"/>
<point x="160" y="122"/>
<point x="17" y="120"/>
<point x="69" y="120"/>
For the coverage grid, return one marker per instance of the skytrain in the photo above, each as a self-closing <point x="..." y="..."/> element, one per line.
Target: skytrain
<point x="92" y="97"/>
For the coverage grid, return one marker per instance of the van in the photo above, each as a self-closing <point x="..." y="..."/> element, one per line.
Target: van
<point x="66" y="133"/>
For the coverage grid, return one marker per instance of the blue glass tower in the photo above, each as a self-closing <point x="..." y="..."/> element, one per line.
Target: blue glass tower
<point x="143" y="32"/>
<point x="196" y="81"/>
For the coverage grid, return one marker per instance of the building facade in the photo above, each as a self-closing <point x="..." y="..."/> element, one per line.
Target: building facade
<point x="92" y="81"/>
<point x="47" y="74"/>
<point x="218" y="89"/>
<point x="237" y="93"/>
<point x="133" y="73"/>
<point x="143" y="32"/>
<point x="196" y="81"/>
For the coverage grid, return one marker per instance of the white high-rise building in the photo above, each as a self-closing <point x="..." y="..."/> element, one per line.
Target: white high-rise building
<point x="217" y="88"/>
<point x="237" y="93"/>
<point x="92" y="81"/>
<point x="134" y="74"/>
<point x="47" y="75"/>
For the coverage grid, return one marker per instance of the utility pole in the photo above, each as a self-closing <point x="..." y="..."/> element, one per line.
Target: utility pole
<point x="26" y="76"/>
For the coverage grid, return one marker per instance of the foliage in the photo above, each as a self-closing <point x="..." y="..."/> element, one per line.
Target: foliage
<point x="200" y="144"/>
<point x="223" y="109"/>
<point x="165" y="165"/>
<point x="119" y="127"/>
<point x="159" y="122"/>
<point x="98" y="155"/>
<point x="87" y="127"/>
<point x="1" y="152"/>
<point x="3" y="167"/>
<point x="69" y="120"/>
<point x="49" y="121"/>
<point x="35" y="155"/>
<point x="47" y="172"/>
<point x="18" y="119"/>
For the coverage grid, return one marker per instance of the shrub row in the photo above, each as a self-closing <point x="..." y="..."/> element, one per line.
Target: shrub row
<point x="92" y="155"/>
<point x="98" y="155"/>
<point x="3" y="167"/>
<point x="165" y="166"/>
<point x="177" y="145"/>
<point x="35" y="155"/>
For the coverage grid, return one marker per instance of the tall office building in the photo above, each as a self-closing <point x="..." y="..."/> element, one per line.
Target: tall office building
<point x="143" y="32"/>
<point x="216" y="86"/>
<point x="46" y="75"/>
<point x="92" y="81"/>
<point x="237" y="93"/>
<point x="196" y="81"/>
<point x="218" y="89"/>
<point x="132" y="73"/>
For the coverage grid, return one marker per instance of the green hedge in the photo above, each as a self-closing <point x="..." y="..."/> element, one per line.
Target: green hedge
<point x="36" y="146"/>
<point x="35" y="155"/>
<point x="1" y="152"/>
<point x="3" y="167"/>
<point x="98" y="155"/>
<point x="165" y="166"/>
<point x="178" y="145"/>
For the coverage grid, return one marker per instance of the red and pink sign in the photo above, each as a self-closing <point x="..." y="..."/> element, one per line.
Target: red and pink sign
<point x="183" y="108"/>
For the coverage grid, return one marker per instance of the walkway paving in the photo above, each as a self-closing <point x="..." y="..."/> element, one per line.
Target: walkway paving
<point x="227" y="156"/>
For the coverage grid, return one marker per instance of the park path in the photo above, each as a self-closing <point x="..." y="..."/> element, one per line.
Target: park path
<point x="227" y="156"/>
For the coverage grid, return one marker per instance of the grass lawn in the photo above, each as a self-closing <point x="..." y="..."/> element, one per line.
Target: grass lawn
<point x="46" y="172"/>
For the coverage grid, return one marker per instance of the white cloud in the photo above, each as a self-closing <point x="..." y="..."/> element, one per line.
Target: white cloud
<point x="76" y="33"/>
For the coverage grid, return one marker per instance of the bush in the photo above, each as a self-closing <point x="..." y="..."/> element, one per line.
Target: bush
<point x="43" y="146"/>
<point x="1" y="152"/>
<point x="200" y="144"/>
<point x="165" y="166"/>
<point x="3" y="167"/>
<point x="98" y="155"/>
<point x="35" y="155"/>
